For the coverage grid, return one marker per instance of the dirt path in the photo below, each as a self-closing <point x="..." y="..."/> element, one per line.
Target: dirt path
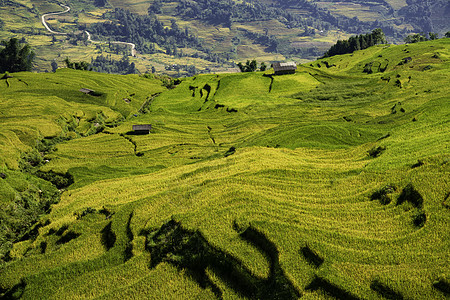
<point x="55" y="13"/>
<point x="67" y="9"/>
<point x="132" y="46"/>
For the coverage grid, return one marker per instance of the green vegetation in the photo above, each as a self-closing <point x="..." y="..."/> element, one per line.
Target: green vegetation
<point x="330" y="182"/>
<point x="250" y="66"/>
<point x="359" y="42"/>
<point x="81" y="65"/>
<point x="415" y="38"/>
<point x="109" y="65"/>
<point x="145" y="31"/>
<point x="15" y="57"/>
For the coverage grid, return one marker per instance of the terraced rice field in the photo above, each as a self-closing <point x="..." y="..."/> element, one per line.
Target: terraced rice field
<point x="328" y="183"/>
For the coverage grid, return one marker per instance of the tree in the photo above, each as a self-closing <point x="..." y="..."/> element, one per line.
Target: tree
<point x="132" y="69"/>
<point x="359" y="42"/>
<point x="378" y="36"/>
<point x="191" y="70"/>
<point x="415" y="38"/>
<point x="250" y="66"/>
<point x="174" y="25"/>
<point x="82" y="65"/>
<point x="433" y="35"/>
<point x="155" y="8"/>
<point x="14" y="57"/>
<point x="54" y="65"/>
<point x="263" y="66"/>
<point x="241" y="67"/>
<point x="100" y="3"/>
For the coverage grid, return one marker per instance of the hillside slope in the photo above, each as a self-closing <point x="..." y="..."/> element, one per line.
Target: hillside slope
<point x="330" y="182"/>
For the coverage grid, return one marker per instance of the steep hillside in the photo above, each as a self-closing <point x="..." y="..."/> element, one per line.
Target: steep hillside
<point x="330" y="182"/>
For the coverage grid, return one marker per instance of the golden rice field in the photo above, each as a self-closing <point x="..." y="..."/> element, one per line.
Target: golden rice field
<point x="330" y="183"/>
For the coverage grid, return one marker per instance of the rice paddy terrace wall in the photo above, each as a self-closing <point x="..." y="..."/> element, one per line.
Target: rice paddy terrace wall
<point x="333" y="184"/>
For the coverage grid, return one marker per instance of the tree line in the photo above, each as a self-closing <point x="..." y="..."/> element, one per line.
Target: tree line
<point x="106" y="64"/>
<point x="421" y="37"/>
<point x="251" y="66"/>
<point x="358" y="42"/>
<point x="103" y="64"/>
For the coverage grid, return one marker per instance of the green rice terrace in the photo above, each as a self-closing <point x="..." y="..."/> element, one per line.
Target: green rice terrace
<point x="330" y="183"/>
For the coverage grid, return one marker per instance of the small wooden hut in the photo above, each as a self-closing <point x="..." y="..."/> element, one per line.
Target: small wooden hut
<point x="86" y="91"/>
<point x="142" y="129"/>
<point x="284" y="68"/>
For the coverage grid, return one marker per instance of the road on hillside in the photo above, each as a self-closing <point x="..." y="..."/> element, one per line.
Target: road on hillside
<point x="54" y="13"/>
<point x="67" y="8"/>
<point x="132" y="46"/>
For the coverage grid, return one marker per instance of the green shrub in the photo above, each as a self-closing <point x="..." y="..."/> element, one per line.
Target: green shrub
<point x="30" y="160"/>
<point x="18" y="217"/>
<point x="59" y="180"/>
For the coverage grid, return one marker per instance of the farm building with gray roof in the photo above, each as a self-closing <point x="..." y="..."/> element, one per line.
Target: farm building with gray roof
<point x="284" y="68"/>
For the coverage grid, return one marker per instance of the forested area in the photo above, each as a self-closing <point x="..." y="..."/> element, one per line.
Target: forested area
<point x="226" y="11"/>
<point x="15" y="56"/>
<point x="144" y="31"/>
<point x="105" y="64"/>
<point x="147" y="32"/>
<point x="420" y="13"/>
<point x="358" y="42"/>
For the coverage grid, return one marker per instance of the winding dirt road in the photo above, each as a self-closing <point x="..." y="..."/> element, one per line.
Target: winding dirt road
<point x="67" y="9"/>
<point x="55" y="13"/>
<point x="132" y="46"/>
